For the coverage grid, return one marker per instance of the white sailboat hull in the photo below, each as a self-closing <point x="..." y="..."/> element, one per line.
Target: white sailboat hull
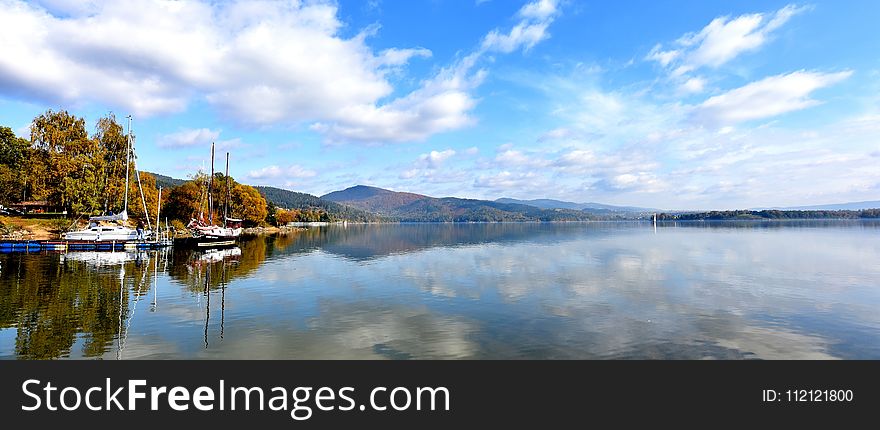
<point x="217" y="232"/>
<point x="105" y="234"/>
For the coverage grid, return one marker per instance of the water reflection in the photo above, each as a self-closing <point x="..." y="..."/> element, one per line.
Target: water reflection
<point x="367" y="242"/>
<point x="50" y="302"/>
<point x="443" y="291"/>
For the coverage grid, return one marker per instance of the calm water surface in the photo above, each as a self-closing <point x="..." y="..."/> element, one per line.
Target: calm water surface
<point x="771" y="290"/>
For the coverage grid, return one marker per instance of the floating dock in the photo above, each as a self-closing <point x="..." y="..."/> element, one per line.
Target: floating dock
<point x="7" y="246"/>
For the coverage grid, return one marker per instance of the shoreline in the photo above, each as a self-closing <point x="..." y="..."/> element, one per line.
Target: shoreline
<point x="19" y="228"/>
<point x="258" y="231"/>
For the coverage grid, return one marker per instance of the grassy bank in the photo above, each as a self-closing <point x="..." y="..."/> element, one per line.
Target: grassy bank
<point x="18" y="228"/>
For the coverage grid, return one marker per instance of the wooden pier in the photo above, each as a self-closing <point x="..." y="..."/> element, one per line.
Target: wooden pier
<point x="7" y="246"/>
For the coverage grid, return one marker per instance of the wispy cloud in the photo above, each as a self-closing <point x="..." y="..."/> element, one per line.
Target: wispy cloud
<point x="769" y="97"/>
<point x="435" y="159"/>
<point x="188" y="138"/>
<point x="721" y="41"/>
<point x="444" y="101"/>
<point x="277" y="172"/>
<point x="535" y="17"/>
<point x="428" y="166"/>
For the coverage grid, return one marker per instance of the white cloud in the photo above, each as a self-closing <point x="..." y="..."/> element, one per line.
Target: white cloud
<point x="721" y="40"/>
<point x="524" y="35"/>
<point x="638" y="181"/>
<point x="663" y="57"/>
<point x="276" y="172"/>
<point x="771" y="96"/>
<point x="398" y="57"/>
<point x="539" y="10"/>
<point x="188" y="137"/>
<point x="440" y="104"/>
<point x="427" y="175"/>
<point x="409" y="174"/>
<point x="506" y="180"/>
<point x="557" y="133"/>
<point x="230" y="144"/>
<point x="256" y="62"/>
<point x="535" y="17"/>
<point x="429" y="168"/>
<point x="577" y="157"/>
<point x="693" y="85"/>
<point x="508" y="157"/>
<point x="434" y="159"/>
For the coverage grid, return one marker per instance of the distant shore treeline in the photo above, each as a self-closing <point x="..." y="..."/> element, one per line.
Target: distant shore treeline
<point x="769" y="215"/>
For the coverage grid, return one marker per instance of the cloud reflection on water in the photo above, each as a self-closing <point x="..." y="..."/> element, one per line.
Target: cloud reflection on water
<point x="443" y="291"/>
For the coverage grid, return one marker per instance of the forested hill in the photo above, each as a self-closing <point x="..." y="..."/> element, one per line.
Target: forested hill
<point x="769" y="214"/>
<point x="373" y="199"/>
<point x="412" y="207"/>
<point x="167" y="182"/>
<point x="293" y="200"/>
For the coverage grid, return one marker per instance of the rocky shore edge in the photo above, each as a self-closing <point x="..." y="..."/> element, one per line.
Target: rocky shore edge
<point x="271" y="230"/>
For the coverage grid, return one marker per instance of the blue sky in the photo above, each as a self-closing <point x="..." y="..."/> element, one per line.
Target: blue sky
<point x="670" y="104"/>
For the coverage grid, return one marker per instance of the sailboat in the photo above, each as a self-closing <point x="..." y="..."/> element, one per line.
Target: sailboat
<point x="112" y="227"/>
<point x="209" y="235"/>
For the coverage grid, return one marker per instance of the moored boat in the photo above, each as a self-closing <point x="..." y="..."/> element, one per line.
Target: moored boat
<point x="205" y="235"/>
<point x="109" y="228"/>
<point x="113" y="227"/>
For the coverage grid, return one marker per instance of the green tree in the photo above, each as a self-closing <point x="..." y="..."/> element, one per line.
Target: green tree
<point x="183" y="201"/>
<point x="72" y="161"/>
<point x="271" y="212"/>
<point x="14" y="155"/>
<point x="112" y="139"/>
<point x="247" y="203"/>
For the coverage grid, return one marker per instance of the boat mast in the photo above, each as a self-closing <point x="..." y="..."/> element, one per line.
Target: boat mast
<point x="210" y="187"/>
<point x="137" y="175"/>
<point x="226" y="206"/>
<point x="127" y="159"/>
<point x="158" y="210"/>
<point x="202" y="195"/>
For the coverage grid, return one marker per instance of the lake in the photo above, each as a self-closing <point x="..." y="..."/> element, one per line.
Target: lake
<point x="602" y="290"/>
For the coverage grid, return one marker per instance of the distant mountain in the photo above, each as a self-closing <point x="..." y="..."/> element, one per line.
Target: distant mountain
<point x="416" y="207"/>
<point x="166" y="181"/>
<point x="373" y="199"/>
<point x="851" y="206"/>
<point x="293" y="200"/>
<point x="590" y="207"/>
